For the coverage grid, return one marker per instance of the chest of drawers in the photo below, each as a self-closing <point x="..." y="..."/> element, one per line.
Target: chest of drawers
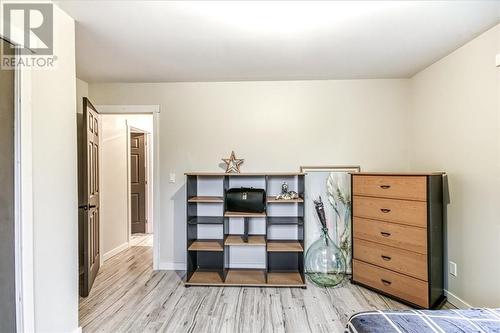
<point x="397" y="229"/>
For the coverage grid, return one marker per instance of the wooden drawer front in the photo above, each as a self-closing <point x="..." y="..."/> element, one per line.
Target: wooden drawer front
<point x="397" y="235"/>
<point x="398" y="285"/>
<point x="397" y="187"/>
<point x="401" y="261"/>
<point x="399" y="211"/>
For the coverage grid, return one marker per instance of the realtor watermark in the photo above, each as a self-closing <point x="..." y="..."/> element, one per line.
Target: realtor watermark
<point x="30" y="29"/>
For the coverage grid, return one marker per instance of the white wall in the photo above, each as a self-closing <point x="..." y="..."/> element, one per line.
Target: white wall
<point x="114" y="178"/>
<point x="455" y="127"/>
<point x="82" y="90"/>
<point x="273" y="125"/>
<point x="54" y="156"/>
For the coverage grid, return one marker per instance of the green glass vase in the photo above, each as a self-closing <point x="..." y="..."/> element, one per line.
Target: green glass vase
<point x="325" y="264"/>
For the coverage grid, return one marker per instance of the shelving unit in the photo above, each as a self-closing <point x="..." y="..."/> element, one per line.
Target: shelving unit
<point x="217" y="254"/>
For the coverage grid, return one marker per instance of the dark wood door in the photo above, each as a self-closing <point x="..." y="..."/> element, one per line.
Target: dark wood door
<point x="89" y="198"/>
<point x="138" y="182"/>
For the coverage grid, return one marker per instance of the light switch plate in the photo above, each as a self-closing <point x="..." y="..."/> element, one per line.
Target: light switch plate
<point x="172" y="178"/>
<point x="452" y="268"/>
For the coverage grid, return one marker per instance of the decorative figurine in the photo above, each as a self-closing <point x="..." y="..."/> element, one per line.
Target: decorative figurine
<point x="284" y="188"/>
<point x="285" y="194"/>
<point x="233" y="163"/>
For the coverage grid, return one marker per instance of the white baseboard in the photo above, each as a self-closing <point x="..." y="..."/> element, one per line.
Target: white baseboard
<point x="115" y="251"/>
<point x="172" y="266"/>
<point x="78" y="330"/>
<point x="457" y="301"/>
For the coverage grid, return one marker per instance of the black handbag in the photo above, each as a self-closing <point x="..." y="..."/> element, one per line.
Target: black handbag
<point x="246" y="200"/>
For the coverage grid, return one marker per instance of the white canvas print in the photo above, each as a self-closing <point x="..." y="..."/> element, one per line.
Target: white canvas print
<point x="333" y="185"/>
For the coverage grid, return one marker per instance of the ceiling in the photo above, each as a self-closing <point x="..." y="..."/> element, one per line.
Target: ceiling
<point x="160" y="41"/>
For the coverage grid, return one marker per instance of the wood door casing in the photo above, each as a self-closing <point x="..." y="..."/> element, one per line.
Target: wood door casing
<point x="138" y="182"/>
<point x="89" y="210"/>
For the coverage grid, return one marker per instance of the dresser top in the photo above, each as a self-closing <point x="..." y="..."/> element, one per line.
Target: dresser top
<point x="435" y="173"/>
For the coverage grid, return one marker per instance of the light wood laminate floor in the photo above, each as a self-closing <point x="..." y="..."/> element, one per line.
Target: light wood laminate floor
<point x="128" y="296"/>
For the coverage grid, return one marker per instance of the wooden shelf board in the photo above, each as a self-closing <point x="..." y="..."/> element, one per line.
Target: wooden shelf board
<point x="284" y="246"/>
<point x="206" y="220"/>
<point x="205" y="278"/>
<point x="244" y="174"/>
<point x="206" y="199"/>
<point x="281" y="220"/>
<point x="247" y="277"/>
<point x="242" y="214"/>
<point x="285" y="279"/>
<point x="274" y="200"/>
<point x="236" y="240"/>
<point x="206" y="245"/>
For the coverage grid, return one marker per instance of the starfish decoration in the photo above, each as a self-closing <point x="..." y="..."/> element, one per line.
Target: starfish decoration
<point x="233" y="163"/>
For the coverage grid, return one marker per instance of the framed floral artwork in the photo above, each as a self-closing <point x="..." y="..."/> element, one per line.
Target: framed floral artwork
<point x="333" y="185"/>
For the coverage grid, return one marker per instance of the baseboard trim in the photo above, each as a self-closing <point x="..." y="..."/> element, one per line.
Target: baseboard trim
<point x="78" y="330"/>
<point x="457" y="301"/>
<point x="172" y="266"/>
<point x="115" y="251"/>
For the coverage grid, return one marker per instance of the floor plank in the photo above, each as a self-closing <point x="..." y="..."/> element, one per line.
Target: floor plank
<point x="128" y="296"/>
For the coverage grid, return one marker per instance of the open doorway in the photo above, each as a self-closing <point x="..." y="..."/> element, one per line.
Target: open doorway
<point x="138" y="181"/>
<point x="140" y="189"/>
<point x="126" y="194"/>
<point x="126" y="165"/>
<point x="127" y="220"/>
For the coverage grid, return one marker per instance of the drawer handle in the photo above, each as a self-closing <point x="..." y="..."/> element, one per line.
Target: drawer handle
<point x="385" y="282"/>
<point x="386" y="258"/>
<point x="385" y="210"/>
<point x="385" y="187"/>
<point x="385" y="234"/>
